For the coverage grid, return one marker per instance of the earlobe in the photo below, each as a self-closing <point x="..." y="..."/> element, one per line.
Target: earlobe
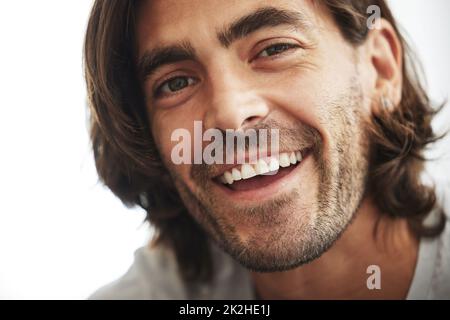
<point x="386" y="57"/>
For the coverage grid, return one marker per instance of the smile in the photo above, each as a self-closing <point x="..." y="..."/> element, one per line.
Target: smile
<point x="247" y="177"/>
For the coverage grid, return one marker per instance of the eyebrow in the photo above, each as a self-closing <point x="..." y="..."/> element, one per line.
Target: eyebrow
<point x="264" y="17"/>
<point x="157" y="57"/>
<point x="259" y="19"/>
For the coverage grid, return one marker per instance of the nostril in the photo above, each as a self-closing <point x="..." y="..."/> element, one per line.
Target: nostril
<point x="251" y="120"/>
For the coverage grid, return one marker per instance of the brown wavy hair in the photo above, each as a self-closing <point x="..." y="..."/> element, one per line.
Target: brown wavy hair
<point x="128" y="163"/>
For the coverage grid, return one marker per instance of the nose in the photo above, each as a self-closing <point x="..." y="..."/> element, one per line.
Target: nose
<point x="234" y="103"/>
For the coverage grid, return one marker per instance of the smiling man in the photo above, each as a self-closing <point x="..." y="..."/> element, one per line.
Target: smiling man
<point x="340" y="196"/>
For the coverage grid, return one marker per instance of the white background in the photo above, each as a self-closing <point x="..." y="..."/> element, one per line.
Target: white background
<point x="62" y="234"/>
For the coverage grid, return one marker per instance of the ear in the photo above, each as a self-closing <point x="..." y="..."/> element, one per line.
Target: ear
<point x="384" y="55"/>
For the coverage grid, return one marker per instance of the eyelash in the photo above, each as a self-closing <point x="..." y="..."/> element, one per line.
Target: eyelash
<point x="192" y="80"/>
<point x="289" y="46"/>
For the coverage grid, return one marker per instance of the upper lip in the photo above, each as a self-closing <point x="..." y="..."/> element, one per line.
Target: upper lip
<point x="222" y="168"/>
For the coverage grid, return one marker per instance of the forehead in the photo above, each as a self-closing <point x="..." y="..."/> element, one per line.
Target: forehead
<point x="163" y="22"/>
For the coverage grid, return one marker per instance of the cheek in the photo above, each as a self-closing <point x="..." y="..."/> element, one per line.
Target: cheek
<point x="162" y="135"/>
<point x="164" y="124"/>
<point x="305" y="96"/>
<point x="318" y="98"/>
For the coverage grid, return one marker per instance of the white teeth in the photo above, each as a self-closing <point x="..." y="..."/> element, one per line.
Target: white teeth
<point x="274" y="165"/>
<point x="284" y="160"/>
<point x="247" y="171"/>
<point x="292" y="158"/>
<point x="261" y="167"/>
<point x="236" y="174"/>
<point x="228" y="177"/>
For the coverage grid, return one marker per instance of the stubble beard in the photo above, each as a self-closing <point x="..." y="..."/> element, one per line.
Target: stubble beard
<point x="342" y="179"/>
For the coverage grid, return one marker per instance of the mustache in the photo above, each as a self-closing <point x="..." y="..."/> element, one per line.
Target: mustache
<point x="296" y="137"/>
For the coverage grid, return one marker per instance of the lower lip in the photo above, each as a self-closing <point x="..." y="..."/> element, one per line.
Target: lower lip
<point x="266" y="191"/>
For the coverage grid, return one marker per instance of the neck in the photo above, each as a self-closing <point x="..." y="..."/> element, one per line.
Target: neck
<point x="341" y="272"/>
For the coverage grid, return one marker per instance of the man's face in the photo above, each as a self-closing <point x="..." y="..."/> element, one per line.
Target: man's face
<point x="279" y="64"/>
